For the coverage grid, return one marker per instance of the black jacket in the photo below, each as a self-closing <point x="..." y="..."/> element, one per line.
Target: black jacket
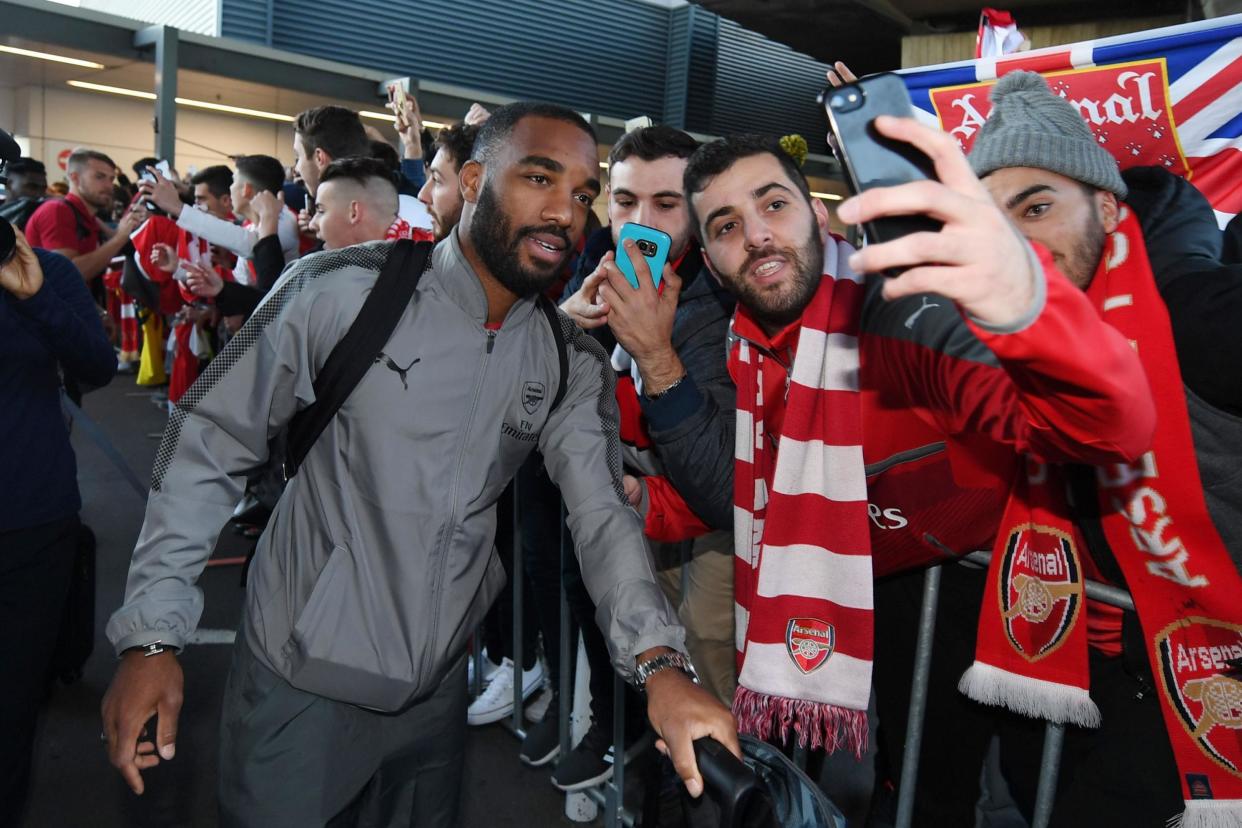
<point x="692" y="425"/>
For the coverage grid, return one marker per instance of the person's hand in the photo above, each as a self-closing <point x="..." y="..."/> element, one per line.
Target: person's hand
<point x="144" y="686"/>
<point x="978" y="259"/>
<point x="267" y="208"/>
<point x="839" y="75"/>
<point x="21" y="275"/>
<point x="163" y="256"/>
<point x="477" y="114"/>
<point x="681" y="712"/>
<point x="633" y="489"/>
<point x="130" y="222"/>
<point x="162" y="192"/>
<point x="585" y="307"/>
<point x="642" y="318"/>
<point x="202" y="281"/>
<point x="304" y="219"/>
<point x="409" y="121"/>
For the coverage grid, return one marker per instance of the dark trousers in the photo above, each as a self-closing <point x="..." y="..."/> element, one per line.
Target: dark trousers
<point x="1122" y="774"/>
<point x="35" y="569"/>
<point x="291" y="758"/>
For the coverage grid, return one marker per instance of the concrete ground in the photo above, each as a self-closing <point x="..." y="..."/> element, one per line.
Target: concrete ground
<point x="73" y="785"/>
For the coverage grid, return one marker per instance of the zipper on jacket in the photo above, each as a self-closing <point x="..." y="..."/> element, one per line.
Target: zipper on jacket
<point x="451" y="523"/>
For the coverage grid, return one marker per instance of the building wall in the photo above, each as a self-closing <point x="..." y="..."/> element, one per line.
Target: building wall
<point x="49" y="120"/>
<point x="200" y="16"/>
<point x="679" y="64"/>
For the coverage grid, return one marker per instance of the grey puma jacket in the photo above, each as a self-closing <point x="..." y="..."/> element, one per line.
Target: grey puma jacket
<point x="377" y="563"/>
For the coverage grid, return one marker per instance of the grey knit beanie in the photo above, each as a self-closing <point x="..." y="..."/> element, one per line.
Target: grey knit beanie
<point x="1030" y="126"/>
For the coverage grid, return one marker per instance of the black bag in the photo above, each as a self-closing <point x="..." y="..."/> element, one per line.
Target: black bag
<point x="18" y="211"/>
<point x="76" y="639"/>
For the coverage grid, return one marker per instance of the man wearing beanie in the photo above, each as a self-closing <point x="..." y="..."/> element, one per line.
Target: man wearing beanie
<point x="1043" y="166"/>
<point x="1144" y="247"/>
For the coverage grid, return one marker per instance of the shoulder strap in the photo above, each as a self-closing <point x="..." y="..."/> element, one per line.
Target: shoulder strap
<point x="356" y="352"/>
<point x="562" y="348"/>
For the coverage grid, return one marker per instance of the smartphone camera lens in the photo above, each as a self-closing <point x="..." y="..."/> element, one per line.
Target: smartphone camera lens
<point x="647" y="248"/>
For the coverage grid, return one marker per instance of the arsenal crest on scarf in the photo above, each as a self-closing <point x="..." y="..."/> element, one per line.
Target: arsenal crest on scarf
<point x="810" y="642"/>
<point x="1196" y="658"/>
<point x="1040" y="589"/>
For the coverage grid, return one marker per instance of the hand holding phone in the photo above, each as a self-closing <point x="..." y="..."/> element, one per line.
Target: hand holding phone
<point x="652" y="244"/>
<point x="977" y="258"/>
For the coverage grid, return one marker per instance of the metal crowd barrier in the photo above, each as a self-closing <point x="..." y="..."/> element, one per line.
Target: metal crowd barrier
<point x="610" y="795"/>
<point x="1054" y="734"/>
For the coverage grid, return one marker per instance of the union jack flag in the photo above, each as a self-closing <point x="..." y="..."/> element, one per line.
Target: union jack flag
<point x="1171" y="97"/>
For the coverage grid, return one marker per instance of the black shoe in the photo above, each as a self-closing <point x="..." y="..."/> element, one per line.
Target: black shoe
<point x="543" y="740"/>
<point x="587" y="765"/>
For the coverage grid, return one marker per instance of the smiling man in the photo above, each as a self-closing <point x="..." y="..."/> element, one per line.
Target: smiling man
<point x="861" y="398"/>
<point x="349" y="668"/>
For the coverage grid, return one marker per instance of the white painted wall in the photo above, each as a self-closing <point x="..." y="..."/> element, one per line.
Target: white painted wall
<point x="50" y="119"/>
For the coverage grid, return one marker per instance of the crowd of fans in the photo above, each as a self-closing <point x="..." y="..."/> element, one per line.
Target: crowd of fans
<point x="787" y="422"/>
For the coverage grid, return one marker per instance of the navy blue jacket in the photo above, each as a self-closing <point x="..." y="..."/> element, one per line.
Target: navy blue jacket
<point x="59" y="324"/>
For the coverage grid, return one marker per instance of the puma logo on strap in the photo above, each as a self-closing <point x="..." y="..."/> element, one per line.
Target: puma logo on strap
<point x="914" y="317"/>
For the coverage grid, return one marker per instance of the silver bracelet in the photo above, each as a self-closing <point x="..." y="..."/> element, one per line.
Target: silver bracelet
<point x="673" y="660"/>
<point x="154" y="648"/>
<point x="666" y="389"/>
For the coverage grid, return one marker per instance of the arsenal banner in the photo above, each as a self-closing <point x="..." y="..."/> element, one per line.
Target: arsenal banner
<point x="1169" y="97"/>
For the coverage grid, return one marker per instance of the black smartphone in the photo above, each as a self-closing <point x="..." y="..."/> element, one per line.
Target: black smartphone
<point x="871" y="160"/>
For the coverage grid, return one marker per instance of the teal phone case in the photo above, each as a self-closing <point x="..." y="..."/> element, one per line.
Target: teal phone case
<point x="653" y="245"/>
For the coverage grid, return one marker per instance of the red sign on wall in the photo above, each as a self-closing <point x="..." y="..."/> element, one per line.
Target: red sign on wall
<point x="1126" y="105"/>
<point x="62" y="158"/>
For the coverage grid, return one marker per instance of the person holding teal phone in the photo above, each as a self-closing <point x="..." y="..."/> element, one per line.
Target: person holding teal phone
<point x="653" y="244"/>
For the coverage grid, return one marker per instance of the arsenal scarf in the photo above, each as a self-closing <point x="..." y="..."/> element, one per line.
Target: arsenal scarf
<point x="803" y="581"/>
<point x="1031" y="652"/>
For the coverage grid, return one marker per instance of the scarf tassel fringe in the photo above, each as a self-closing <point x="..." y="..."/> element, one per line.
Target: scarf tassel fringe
<point x="1029" y="696"/>
<point x="1204" y="813"/>
<point x="814" y="724"/>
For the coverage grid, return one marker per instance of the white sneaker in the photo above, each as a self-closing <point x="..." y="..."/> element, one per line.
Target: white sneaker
<point x="489" y="669"/>
<point x="496" y="702"/>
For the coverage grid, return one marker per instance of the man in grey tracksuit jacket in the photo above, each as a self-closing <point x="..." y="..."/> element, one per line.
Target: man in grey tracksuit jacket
<point x="377" y="562"/>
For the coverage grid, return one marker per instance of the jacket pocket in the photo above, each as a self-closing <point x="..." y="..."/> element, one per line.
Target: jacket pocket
<point x="341" y="650"/>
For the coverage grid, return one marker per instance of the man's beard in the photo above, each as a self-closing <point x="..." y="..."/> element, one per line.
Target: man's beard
<point x="499" y="246"/>
<point x="442" y="226"/>
<point x="776" y="309"/>
<point x="1084" y="256"/>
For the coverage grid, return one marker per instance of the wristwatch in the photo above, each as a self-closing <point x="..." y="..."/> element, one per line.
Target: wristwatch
<point x="673" y="660"/>
<point x="154" y="648"/>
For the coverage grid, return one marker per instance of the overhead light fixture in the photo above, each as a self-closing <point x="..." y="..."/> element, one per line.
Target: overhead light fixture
<point x="190" y="102"/>
<point x="87" y="64"/>
<point x="392" y="119"/>
<point x="828" y="196"/>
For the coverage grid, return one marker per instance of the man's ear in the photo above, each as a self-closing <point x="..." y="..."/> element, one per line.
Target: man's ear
<point x="821" y="215"/>
<point x="321" y="158"/>
<point x="1109" y="209"/>
<point x="356" y="211"/>
<point x="470" y="180"/>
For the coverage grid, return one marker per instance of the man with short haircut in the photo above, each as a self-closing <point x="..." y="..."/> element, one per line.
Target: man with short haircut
<point x="677" y="404"/>
<point x="255" y="174"/>
<point x="837" y="372"/>
<point x="212" y="191"/>
<point x="69" y="225"/>
<point x="323" y="134"/>
<point x="349" y="667"/>
<point x="356" y="202"/>
<point x="441" y="193"/>
<point x="27" y="179"/>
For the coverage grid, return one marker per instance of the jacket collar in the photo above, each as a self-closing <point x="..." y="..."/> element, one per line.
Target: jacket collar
<point x="457" y="278"/>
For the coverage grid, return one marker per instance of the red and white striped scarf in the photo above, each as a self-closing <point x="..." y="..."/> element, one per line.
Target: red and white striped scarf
<point x="803" y="578"/>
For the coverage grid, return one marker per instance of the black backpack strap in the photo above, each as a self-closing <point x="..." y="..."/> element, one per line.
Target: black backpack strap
<point x="356" y="352"/>
<point x="562" y="348"/>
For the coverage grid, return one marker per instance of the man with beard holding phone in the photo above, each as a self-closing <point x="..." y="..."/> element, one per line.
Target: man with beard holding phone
<point x="388" y="525"/>
<point x="980" y="351"/>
